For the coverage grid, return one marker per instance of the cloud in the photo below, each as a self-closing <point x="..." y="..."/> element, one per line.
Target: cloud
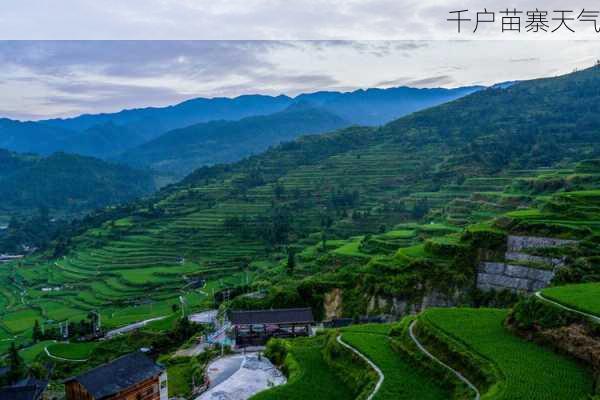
<point x="525" y="59"/>
<point x="63" y="78"/>
<point x="432" y="81"/>
<point x="259" y="19"/>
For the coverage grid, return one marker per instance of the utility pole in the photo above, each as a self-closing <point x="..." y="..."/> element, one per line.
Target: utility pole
<point x="182" y="301"/>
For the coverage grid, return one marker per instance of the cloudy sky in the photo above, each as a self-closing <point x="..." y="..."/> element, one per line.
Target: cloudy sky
<point x="262" y="19"/>
<point x="353" y="44"/>
<point x="43" y="79"/>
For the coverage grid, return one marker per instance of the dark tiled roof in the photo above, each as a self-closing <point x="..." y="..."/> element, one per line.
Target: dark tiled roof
<point x="118" y="375"/>
<point x="27" y="389"/>
<point x="281" y="316"/>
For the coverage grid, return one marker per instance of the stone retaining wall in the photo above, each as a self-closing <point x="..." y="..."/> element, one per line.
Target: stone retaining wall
<point x="528" y="258"/>
<point x="501" y="276"/>
<point x="517" y="243"/>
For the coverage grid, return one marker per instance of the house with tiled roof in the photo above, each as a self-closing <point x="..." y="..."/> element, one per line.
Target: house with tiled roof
<point x="255" y="327"/>
<point x="132" y="377"/>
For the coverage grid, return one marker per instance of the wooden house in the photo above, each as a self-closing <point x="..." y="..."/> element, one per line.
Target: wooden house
<point x="255" y="328"/>
<point x="131" y="377"/>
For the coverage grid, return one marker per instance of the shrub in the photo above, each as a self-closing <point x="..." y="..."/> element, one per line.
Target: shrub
<point x="276" y="351"/>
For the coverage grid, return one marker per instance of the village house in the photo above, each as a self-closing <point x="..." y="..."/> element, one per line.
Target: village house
<point x="255" y="328"/>
<point x="131" y="377"/>
<point x="25" y="389"/>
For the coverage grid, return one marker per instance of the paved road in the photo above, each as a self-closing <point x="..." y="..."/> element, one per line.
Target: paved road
<point x="131" y="327"/>
<point x="205" y="317"/>
<point x="239" y="377"/>
<point x="437" y="360"/>
<point x="223" y="369"/>
<point x="594" y="318"/>
<point x="371" y="363"/>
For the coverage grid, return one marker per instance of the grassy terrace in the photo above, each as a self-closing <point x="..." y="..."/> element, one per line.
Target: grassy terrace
<point x="402" y="380"/>
<point x="522" y="370"/>
<point x="311" y="376"/>
<point x="71" y="351"/>
<point x="583" y="297"/>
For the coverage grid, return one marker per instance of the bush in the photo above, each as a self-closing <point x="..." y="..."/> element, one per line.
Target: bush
<point x="533" y="314"/>
<point x="277" y="351"/>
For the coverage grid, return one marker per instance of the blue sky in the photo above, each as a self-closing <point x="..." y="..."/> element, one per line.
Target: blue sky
<point x="40" y="79"/>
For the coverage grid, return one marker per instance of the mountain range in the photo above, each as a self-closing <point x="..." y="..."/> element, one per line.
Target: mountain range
<point x="108" y="135"/>
<point x="173" y="141"/>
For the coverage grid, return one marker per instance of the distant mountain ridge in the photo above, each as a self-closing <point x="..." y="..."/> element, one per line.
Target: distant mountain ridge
<point x="110" y="134"/>
<point x="180" y="151"/>
<point x="67" y="184"/>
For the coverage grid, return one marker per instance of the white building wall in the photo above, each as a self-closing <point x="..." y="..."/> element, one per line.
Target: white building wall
<point x="163" y="386"/>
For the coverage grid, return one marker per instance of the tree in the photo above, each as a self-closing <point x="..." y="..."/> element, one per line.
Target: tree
<point x="38" y="371"/>
<point x="184" y="329"/>
<point x="291" y="261"/>
<point x="16" y="366"/>
<point x="278" y="190"/>
<point x="37" y="332"/>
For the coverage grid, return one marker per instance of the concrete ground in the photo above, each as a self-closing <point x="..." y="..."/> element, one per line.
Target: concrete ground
<point x="205" y="317"/>
<point x="239" y="377"/>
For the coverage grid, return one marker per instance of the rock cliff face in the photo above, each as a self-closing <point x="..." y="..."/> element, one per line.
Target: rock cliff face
<point x="398" y="306"/>
<point x="394" y="306"/>
<point x="332" y="304"/>
<point x="576" y="340"/>
<point x="521" y="278"/>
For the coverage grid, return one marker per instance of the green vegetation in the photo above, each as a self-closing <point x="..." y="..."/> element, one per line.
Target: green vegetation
<point x="67" y="185"/>
<point x="71" y="351"/>
<point x="583" y="297"/>
<point x="181" y="151"/>
<point x="402" y="380"/>
<point x="520" y="369"/>
<point x="308" y="375"/>
<point x="375" y="219"/>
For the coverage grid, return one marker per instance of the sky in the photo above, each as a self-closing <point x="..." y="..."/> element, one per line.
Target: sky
<point x="63" y="58"/>
<point x="43" y="79"/>
<point x="264" y="19"/>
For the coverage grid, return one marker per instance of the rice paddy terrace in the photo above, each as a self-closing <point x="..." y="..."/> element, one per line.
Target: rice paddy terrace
<point x="509" y="367"/>
<point x="137" y="267"/>
<point x="402" y="380"/>
<point x="384" y="199"/>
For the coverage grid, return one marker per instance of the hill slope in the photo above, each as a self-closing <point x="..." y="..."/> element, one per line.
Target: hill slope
<point x="181" y="151"/>
<point x="65" y="183"/>
<point x="328" y="199"/>
<point x="106" y="135"/>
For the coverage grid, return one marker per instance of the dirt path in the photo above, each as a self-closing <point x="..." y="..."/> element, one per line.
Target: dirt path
<point x="437" y="360"/>
<point x="371" y="363"/>
<point x="594" y="318"/>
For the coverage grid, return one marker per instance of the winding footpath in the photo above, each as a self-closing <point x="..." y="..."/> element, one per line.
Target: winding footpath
<point x="592" y="317"/>
<point x="61" y="358"/>
<point x="440" y="362"/>
<point x="371" y="363"/>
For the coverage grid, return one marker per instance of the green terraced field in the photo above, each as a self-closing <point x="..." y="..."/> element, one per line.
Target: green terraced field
<point x="583" y="297"/>
<point x="402" y="380"/>
<point x="524" y="369"/>
<point x="30" y="353"/>
<point x="71" y="351"/>
<point x="314" y="379"/>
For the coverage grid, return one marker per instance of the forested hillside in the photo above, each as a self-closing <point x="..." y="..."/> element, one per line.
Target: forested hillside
<point x="357" y="221"/>
<point x="108" y="135"/>
<point x="65" y="183"/>
<point x="181" y="151"/>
